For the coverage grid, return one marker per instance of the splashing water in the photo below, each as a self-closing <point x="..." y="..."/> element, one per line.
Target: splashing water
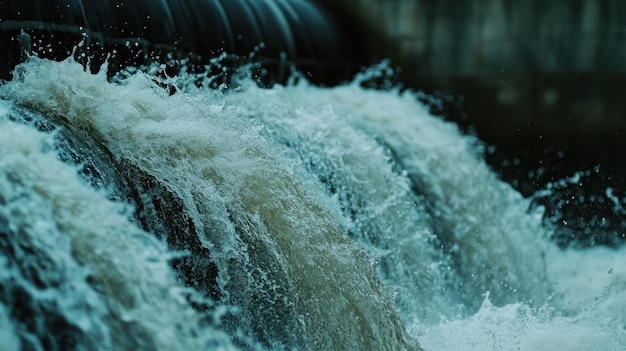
<point x="65" y="246"/>
<point x="335" y="218"/>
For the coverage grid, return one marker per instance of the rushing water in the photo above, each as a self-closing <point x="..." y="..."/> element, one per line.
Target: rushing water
<point x="295" y="217"/>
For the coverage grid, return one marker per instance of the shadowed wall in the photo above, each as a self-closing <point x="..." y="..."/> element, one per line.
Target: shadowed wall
<point x="554" y="69"/>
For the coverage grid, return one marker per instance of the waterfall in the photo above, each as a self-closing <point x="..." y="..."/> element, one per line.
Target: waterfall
<point x="295" y="217"/>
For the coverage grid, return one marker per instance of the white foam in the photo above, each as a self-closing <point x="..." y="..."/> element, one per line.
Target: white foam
<point x="517" y="327"/>
<point x="588" y="312"/>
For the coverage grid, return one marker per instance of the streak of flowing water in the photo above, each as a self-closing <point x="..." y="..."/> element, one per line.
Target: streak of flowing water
<point x="65" y="246"/>
<point x="333" y="218"/>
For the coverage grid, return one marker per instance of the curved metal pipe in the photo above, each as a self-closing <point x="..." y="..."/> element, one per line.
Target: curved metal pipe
<point x="297" y="32"/>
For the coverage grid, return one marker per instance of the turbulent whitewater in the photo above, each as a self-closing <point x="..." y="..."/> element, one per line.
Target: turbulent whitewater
<point x="154" y="214"/>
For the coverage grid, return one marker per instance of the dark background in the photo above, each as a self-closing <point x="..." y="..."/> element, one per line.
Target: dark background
<point x="541" y="83"/>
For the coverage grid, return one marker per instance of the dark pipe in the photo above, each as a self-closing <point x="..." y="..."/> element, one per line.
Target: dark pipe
<point x="279" y="32"/>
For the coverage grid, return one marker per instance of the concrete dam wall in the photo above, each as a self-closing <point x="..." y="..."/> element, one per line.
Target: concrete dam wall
<point x="526" y="70"/>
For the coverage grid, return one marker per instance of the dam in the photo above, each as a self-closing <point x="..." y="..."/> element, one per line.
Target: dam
<point x="247" y="175"/>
